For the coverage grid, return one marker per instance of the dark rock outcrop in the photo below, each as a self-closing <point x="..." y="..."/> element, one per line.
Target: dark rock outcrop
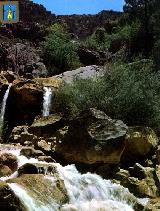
<point x="8" y="200"/>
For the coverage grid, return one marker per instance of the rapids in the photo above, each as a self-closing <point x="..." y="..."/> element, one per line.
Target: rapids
<point x="85" y="191"/>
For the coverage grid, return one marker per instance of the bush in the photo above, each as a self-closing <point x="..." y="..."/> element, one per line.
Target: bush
<point x="120" y="36"/>
<point x="60" y="50"/>
<point x="130" y="93"/>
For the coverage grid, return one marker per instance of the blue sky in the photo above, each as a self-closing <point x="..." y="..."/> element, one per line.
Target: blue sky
<point x="66" y="7"/>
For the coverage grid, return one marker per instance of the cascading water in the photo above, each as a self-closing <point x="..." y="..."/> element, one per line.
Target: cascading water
<point x="47" y="101"/>
<point x="3" y="108"/>
<point x="85" y="191"/>
<point x="4" y="103"/>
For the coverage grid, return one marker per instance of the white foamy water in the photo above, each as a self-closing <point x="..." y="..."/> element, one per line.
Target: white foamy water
<point x="90" y="191"/>
<point x="47" y="97"/>
<point x="4" y="102"/>
<point x="29" y="202"/>
<point x="85" y="191"/>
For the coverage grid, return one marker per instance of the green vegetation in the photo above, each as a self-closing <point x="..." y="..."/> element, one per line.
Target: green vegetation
<point x="60" y="50"/>
<point x="130" y="93"/>
<point x="101" y="40"/>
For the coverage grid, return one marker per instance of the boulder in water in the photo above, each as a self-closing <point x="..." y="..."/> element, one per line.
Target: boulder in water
<point x="46" y="190"/>
<point x="30" y="152"/>
<point x="5" y="171"/>
<point x="10" y="160"/>
<point x="37" y="168"/>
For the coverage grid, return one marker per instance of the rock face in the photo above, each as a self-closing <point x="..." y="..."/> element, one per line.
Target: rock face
<point x="22" y="59"/>
<point x="24" y="103"/>
<point x="81" y="73"/>
<point x="85" y="25"/>
<point x="93" y="137"/>
<point x="140" y="142"/>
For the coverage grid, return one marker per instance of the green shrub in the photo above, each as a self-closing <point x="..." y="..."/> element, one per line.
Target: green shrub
<point x="130" y="93"/>
<point x="60" y="50"/>
<point x="125" y="35"/>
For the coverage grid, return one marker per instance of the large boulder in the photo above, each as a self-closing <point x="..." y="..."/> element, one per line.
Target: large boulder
<point x="92" y="138"/>
<point x="140" y="141"/>
<point x="81" y="73"/>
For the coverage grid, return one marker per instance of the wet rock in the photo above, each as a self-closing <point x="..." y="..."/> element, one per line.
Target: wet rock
<point x="140" y="141"/>
<point x="30" y="152"/>
<point x="8" y="200"/>
<point x="122" y="175"/>
<point x="37" y="168"/>
<point x="10" y="160"/>
<point x="55" y="191"/>
<point x="93" y="137"/>
<point x="43" y="145"/>
<point x="5" y="171"/>
<point x="47" y="159"/>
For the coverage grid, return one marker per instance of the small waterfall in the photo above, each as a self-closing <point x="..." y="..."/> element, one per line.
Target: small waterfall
<point x="4" y="103"/>
<point x="47" y="101"/>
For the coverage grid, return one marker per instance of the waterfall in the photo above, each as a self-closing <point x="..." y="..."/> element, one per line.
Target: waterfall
<point x="47" y="97"/>
<point x="4" y="103"/>
<point x="85" y="191"/>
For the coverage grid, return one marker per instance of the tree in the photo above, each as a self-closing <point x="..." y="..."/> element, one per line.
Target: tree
<point x="142" y="10"/>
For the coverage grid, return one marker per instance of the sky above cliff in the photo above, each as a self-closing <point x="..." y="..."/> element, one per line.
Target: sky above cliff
<point x="67" y="7"/>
